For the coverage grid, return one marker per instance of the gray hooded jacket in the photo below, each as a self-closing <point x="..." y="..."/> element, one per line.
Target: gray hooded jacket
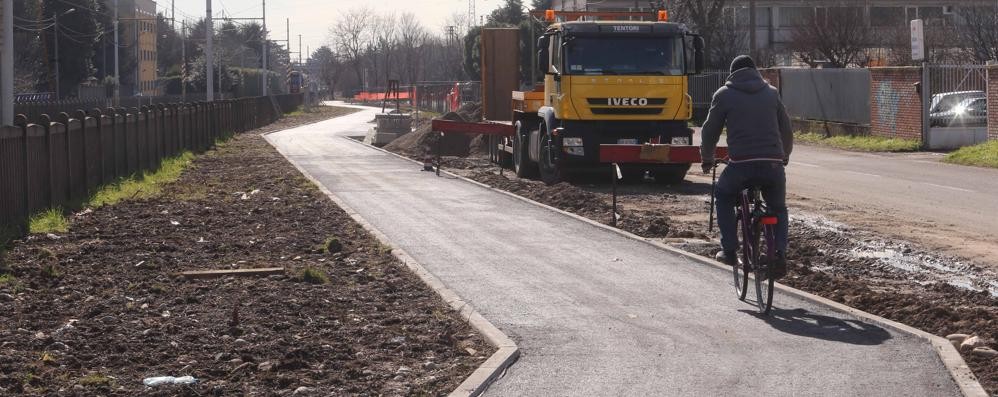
<point x="758" y="125"/>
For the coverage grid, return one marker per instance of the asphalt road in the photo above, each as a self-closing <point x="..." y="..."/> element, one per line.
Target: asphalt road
<point x="599" y="314"/>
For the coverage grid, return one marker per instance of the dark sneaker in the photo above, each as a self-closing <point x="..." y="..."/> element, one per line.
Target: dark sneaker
<point x="778" y="269"/>
<point x="729" y="258"/>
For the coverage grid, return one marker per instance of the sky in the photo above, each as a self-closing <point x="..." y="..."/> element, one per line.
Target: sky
<point x="313" y="18"/>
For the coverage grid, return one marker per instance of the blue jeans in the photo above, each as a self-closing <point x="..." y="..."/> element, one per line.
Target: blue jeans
<point x="768" y="175"/>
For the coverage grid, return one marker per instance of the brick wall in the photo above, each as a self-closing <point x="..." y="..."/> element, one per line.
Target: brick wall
<point x="993" y="102"/>
<point x="896" y="107"/>
<point x="772" y="76"/>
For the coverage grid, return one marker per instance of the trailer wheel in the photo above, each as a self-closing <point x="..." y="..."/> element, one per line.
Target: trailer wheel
<point x="671" y="174"/>
<point x="521" y="161"/>
<point x="551" y="173"/>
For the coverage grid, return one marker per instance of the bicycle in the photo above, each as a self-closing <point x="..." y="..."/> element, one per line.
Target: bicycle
<point x="757" y="236"/>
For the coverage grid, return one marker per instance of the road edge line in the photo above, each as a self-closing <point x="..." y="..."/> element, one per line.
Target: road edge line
<point x="507" y="351"/>
<point x="947" y="353"/>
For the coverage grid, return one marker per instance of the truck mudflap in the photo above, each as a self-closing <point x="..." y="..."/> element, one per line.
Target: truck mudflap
<point x="654" y="154"/>
<point x="464" y="127"/>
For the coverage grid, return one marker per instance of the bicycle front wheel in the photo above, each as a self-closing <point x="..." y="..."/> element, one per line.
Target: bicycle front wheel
<point x="763" y="280"/>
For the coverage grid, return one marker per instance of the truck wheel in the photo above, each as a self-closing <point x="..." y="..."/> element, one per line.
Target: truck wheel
<point x="551" y="173"/>
<point x="671" y="174"/>
<point x="521" y="161"/>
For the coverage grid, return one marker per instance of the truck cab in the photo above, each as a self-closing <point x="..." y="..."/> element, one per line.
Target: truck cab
<point x="606" y="82"/>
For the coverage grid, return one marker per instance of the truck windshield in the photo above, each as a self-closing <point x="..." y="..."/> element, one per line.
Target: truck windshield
<point x="624" y="56"/>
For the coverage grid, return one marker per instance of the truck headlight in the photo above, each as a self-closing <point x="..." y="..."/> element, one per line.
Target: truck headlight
<point x="571" y="142"/>
<point x="680" y="141"/>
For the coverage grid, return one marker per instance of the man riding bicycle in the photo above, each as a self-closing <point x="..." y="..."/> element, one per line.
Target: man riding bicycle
<point x="760" y="140"/>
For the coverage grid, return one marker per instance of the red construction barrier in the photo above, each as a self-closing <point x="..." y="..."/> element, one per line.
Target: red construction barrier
<point x="654" y="154"/>
<point x="484" y="128"/>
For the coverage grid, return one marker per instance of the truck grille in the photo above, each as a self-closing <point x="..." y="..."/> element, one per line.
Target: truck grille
<point x="606" y="101"/>
<point x="627" y="111"/>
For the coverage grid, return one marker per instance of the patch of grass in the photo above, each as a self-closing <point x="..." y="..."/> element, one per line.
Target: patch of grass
<point x="50" y="271"/>
<point x="96" y="380"/>
<point x="49" y="221"/>
<point x="7" y="279"/>
<point x="299" y="111"/>
<point x="982" y="155"/>
<point x="332" y="245"/>
<point x="314" y="276"/>
<point x="145" y="185"/>
<point x="861" y="143"/>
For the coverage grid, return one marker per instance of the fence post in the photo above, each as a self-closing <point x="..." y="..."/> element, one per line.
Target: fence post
<point x="82" y="117"/>
<point x="46" y="123"/>
<point x="99" y="118"/>
<point x="22" y="122"/>
<point x="63" y="118"/>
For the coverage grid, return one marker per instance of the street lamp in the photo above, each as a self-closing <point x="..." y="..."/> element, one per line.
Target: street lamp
<point x="58" y="64"/>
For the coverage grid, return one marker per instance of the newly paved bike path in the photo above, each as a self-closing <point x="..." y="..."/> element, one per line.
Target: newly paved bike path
<point x="599" y="314"/>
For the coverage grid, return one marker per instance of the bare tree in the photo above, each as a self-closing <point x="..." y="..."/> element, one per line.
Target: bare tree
<point x="718" y="26"/>
<point x="979" y="32"/>
<point x="381" y="48"/>
<point x="836" y="36"/>
<point x="411" y="37"/>
<point x="350" y="37"/>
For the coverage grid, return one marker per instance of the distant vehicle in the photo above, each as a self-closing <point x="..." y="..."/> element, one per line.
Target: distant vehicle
<point x="971" y="112"/>
<point x="946" y="102"/>
<point x="295" y="82"/>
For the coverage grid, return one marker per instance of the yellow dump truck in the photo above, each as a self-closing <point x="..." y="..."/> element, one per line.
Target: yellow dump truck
<point x="615" y="91"/>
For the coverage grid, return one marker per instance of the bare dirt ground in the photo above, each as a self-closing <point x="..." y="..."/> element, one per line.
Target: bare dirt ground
<point x="852" y="264"/>
<point x="95" y="310"/>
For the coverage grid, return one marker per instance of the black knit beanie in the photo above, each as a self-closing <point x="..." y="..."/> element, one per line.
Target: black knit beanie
<point x="742" y="62"/>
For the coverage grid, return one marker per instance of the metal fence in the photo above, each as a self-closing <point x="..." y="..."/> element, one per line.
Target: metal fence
<point x="60" y="161"/>
<point x="33" y="109"/>
<point x="703" y="86"/>
<point x="447" y="96"/>
<point x="837" y="95"/>
<point x="957" y="78"/>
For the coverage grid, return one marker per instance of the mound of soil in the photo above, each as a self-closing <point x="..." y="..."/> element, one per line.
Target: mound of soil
<point x="96" y="310"/>
<point x="422" y="142"/>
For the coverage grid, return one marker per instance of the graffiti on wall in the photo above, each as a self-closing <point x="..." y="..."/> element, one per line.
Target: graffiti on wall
<point x="887" y="100"/>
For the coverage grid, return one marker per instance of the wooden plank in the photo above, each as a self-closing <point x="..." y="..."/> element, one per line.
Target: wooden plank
<point x="500" y="49"/>
<point x="208" y="274"/>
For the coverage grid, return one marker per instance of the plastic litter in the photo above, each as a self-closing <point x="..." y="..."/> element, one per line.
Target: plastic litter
<point x="169" y="380"/>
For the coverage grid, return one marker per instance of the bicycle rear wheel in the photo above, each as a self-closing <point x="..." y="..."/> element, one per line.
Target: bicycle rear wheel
<point x="762" y="265"/>
<point x="740" y="271"/>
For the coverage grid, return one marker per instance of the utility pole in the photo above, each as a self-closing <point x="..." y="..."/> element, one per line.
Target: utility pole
<point x="7" y="64"/>
<point x="752" y="42"/>
<point x="117" y="75"/>
<point x="58" y="95"/>
<point x="173" y="14"/>
<point x="265" y="76"/>
<point x="209" y="55"/>
<point x="183" y="57"/>
<point x="299" y="51"/>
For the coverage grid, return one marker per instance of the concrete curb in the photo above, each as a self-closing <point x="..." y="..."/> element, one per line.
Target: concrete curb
<point x="948" y="354"/>
<point x="507" y="351"/>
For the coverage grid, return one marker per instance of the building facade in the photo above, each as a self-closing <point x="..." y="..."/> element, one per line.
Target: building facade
<point x="776" y="20"/>
<point x="138" y="24"/>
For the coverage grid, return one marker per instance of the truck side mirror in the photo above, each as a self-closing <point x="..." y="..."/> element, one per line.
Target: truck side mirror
<point x="543" y="54"/>
<point x="698" y="57"/>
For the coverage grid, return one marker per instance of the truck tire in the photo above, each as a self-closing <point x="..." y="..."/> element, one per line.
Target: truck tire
<point x="521" y="161"/>
<point x="551" y="172"/>
<point x="671" y="174"/>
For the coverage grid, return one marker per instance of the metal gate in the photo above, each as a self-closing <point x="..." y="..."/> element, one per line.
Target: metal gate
<point x="957" y="110"/>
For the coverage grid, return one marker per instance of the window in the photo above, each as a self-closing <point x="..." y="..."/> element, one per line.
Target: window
<point x="556" y="53"/>
<point x="795" y="16"/>
<point x="599" y="56"/>
<point x="887" y="16"/>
